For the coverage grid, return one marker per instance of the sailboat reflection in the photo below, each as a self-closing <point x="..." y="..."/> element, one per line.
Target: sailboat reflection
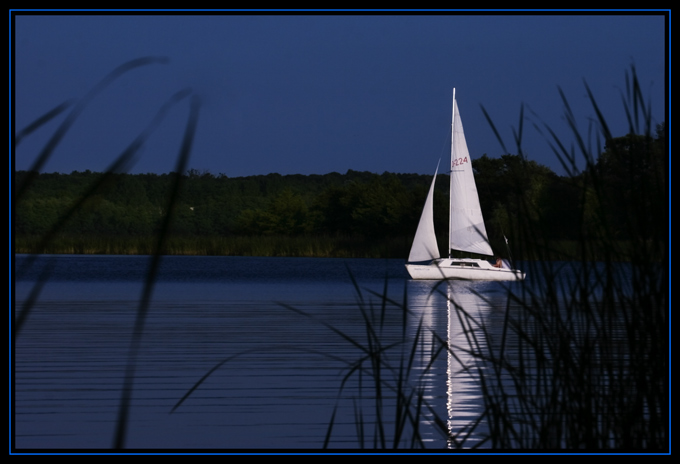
<point x="467" y="311"/>
<point x="455" y="312"/>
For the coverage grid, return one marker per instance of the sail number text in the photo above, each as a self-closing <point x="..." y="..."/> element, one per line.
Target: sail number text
<point x="459" y="161"/>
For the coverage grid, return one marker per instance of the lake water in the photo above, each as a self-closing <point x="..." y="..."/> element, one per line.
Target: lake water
<point x="286" y="334"/>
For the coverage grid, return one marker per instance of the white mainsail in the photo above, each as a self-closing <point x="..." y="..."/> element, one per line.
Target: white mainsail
<point x="466" y="224"/>
<point x="424" y="246"/>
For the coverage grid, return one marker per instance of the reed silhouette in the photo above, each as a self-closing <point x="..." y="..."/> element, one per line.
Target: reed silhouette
<point x="121" y="164"/>
<point x="583" y="361"/>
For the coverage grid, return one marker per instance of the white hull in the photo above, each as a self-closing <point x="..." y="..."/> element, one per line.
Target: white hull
<point x="462" y="269"/>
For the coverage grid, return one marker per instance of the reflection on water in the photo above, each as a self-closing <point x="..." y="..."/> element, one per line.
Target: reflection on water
<point x="457" y="311"/>
<point x="466" y="313"/>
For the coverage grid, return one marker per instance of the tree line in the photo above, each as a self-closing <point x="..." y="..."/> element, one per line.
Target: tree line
<point x="628" y="182"/>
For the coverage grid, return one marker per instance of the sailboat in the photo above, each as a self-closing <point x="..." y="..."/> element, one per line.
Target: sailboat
<point x="467" y="232"/>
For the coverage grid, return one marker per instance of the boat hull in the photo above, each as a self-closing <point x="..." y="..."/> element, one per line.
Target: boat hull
<point x="462" y="269"/>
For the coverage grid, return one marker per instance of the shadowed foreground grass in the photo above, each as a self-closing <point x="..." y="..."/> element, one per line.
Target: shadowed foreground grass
<point x="583" y="361"/>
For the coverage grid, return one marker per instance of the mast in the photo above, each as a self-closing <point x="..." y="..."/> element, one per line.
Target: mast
<point x="453" y="118"/>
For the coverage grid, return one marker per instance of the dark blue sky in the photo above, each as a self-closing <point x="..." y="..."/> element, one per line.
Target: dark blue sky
<point x="312" y="94"/>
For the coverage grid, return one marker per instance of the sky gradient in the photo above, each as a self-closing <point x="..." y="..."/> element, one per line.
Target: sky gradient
<point x="317" y="93"/>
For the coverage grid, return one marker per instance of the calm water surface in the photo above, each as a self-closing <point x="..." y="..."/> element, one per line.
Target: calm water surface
<point x="285" y="375"/>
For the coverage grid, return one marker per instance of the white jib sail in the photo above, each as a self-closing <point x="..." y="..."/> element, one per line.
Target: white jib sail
<point x="424" y="246"/>
<point x="466" y="224"/>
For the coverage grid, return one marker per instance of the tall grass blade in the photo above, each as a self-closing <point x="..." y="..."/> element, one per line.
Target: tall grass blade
<point x="329" y="431"/>
<point x="518" y="134"/>
<point x="155" y="260"/>
<point x="32" y="298"/>
<point x="604" y="127"/>
<point x="495" y="131"/>
<point x="41" y="121"/>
